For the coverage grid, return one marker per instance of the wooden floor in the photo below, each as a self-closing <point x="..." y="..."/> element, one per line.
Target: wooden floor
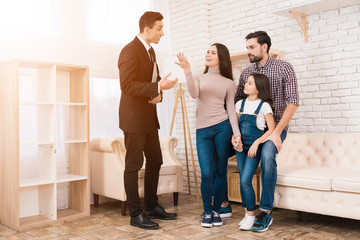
<point x="106" y="222"/>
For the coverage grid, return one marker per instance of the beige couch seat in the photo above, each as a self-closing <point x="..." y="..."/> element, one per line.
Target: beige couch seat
<point x="347" y="182"/>
<point x="317" y="178"/>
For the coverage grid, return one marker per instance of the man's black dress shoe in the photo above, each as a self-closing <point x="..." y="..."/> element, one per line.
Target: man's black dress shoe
<point x="142" y="221"/>
<point x="159" y="213"/>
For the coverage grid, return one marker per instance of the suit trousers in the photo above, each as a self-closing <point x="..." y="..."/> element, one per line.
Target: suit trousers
<point x="137" y="145"/>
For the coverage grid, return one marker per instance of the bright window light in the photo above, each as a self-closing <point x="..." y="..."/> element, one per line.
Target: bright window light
<point x="115" y="21"/>
<point x="104" y="113"/>
<point x="32" y="17"/>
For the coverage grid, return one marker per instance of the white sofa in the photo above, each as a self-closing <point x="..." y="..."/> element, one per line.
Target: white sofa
<point x="320" y="173"/>
<point x="107" y="156"/>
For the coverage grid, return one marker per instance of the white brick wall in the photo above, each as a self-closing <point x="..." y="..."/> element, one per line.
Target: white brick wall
<point x="327" y="66"/>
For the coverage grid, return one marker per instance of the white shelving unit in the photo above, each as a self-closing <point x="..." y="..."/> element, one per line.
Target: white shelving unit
<point x="44" y="142"/>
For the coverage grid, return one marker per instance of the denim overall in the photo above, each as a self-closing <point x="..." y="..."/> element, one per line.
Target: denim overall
<point x="246" y="165"/>
<point x="248" y="128"/>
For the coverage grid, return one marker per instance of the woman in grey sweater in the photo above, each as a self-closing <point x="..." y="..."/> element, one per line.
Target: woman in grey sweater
<point x="215" y="125"/>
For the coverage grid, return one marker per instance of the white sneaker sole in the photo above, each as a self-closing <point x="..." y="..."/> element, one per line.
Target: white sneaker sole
<point x="245" y="229"/>
<point x="218" y="224"/>
<point x="225" y="215"/>
<point x="207" y="225"/>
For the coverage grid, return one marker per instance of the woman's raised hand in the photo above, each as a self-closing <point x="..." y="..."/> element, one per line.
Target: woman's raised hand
<point x="183" y="62"/>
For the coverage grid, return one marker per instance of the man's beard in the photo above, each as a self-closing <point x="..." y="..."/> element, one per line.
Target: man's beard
<point x="255" y="58"/>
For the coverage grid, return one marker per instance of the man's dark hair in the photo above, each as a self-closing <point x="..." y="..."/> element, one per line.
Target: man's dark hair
<point x="148" y="19"/>
<point x="225" y="65"/>
<point x="261" y="37"/>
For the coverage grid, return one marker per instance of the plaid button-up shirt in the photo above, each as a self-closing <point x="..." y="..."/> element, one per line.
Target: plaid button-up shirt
<point x="283" y="84"/>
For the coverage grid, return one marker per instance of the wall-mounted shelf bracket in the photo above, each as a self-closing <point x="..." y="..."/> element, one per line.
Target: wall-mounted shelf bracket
<point x="311" y="7"/>
<point x="302" y="22"/>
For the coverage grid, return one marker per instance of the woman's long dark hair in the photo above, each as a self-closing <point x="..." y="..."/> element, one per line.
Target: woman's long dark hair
<point x="262" y="84"/>
<point x="225" y="65"/>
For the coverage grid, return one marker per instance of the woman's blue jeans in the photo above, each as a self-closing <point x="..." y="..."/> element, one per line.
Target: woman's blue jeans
<point x="218" y="138"/>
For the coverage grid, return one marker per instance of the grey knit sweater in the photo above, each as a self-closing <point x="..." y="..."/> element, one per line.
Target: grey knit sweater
<point x="211" y="91"/>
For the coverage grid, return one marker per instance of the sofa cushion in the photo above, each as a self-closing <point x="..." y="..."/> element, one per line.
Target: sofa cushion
<point x="318" y="178"/>
<point x="349" y="182"/>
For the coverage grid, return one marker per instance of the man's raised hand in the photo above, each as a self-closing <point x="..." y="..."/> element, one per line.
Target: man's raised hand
<point x="166" y="83"/>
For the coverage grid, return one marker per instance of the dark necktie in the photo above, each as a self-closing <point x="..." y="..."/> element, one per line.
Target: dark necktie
<point x="152" y="55"/>
<point x="153" y="60"/>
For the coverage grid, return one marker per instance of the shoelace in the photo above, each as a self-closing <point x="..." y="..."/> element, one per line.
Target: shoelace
<point x="207" y="216"/>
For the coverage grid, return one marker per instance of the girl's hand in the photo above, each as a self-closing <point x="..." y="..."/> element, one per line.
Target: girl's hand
<point x="237" y="143"/>
<point x="253" y="149"/>
<point x="183" y="62"/>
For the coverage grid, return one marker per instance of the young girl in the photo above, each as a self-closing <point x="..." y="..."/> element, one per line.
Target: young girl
<point x="214" y="125"/>
<point x="254" y="113"/>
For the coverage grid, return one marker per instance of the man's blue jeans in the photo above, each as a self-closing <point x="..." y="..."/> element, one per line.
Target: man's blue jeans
<point x="269" y="173"/>
<point x="216" y="137"/>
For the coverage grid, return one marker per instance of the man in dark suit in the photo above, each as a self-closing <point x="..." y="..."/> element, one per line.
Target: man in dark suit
<point x="141" y="89"/>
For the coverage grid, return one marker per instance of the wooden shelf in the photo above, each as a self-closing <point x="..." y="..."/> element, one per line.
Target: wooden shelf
<point x="37" y="103"/>
<point x="299" y="12"/>
<point x="38" y="143"/>
<point x="33" y="221"/>
<point x="44" y="130"/>
<point x="274" y="53"/>
<point x="29" y="63"/>
<point x="69" y="178"/>
<point x="243" y="56"/>
<point x="316" y="6"/>
<point x="30" y="182"/>
<point x="54" y="142"/>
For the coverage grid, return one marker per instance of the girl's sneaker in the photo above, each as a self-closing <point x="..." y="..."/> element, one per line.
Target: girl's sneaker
<point x="243" y="220"/>
<point x="217" y="221"/>
<point x="207" y="220"/>
<point x="248" y="223"/>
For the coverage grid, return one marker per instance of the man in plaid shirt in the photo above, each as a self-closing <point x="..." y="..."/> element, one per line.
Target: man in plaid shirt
<point x="284" y="91"/>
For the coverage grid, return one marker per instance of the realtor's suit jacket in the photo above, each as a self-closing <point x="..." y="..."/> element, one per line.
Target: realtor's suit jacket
<point x="136" y="115"/>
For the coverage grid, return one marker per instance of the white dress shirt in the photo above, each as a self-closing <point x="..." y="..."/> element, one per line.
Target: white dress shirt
<point x="147" y="47"/>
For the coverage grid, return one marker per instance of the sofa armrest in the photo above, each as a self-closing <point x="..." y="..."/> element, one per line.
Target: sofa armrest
<point x="117" y="147"/>
<point x="102" y="144"/>
<point x="168" y="144"/>
<point x="113" y="146"/>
